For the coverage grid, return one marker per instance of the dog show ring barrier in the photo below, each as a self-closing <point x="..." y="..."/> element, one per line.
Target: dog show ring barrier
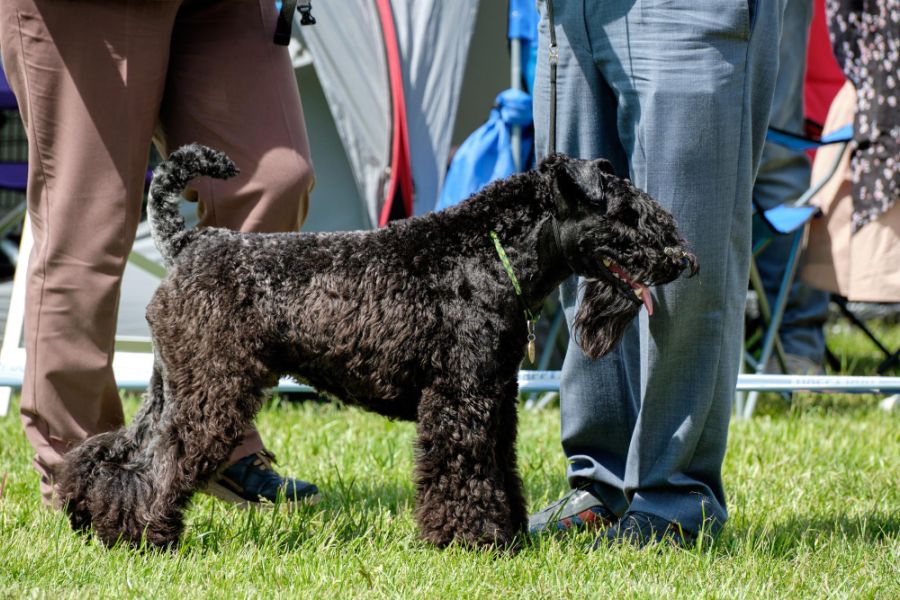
<point x="133" y="373"/>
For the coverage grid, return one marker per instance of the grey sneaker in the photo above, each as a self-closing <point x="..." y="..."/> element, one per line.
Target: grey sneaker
<point x="640" y="529"/>
<point x="578" y="508"/>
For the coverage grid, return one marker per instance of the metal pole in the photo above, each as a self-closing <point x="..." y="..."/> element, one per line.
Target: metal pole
<point x="515" y="59"/>
<point x="548" y="381"/>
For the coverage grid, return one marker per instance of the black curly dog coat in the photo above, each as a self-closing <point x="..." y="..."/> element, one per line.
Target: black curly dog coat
<point x="416" y="321"/>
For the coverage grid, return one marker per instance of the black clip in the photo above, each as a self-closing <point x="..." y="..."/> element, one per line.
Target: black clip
<point x="306" y="17"/>
<point x="286" y="19"/>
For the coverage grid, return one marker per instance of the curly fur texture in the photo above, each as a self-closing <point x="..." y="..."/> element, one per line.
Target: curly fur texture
<point x="415" y="321"/>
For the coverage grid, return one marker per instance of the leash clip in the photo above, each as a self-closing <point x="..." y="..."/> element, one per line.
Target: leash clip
<point x="285" y="21"/>
<point x="554" y="54"/>
<point x="305" y="10"/>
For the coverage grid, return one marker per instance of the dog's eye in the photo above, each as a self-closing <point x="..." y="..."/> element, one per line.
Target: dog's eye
<point x="597" y="203"/>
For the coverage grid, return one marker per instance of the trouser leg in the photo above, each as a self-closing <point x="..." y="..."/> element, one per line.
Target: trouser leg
<point x="88" y="81"/>
<point x="595" y="439"/>
<point x="229" y="87"/>
<point x="694" y="138"/>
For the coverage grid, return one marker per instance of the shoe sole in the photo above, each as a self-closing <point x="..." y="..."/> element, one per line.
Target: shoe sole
<point x="223" y="493"/>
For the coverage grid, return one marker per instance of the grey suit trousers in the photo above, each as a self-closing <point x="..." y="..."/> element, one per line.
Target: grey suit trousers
<point x="677" y="95"/>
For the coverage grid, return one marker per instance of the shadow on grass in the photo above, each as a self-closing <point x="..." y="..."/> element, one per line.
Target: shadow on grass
<point x="370" y="514"/>
<point x="784" y="537"/>
<point x="347" y="512"/>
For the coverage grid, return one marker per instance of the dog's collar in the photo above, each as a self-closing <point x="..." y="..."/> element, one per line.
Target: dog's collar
<point x="550" y="242"/>
<point x="557" y="239"/>
<point x="530" y="318"/>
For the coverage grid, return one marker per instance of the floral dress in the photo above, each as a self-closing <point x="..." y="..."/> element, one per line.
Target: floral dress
<point x="865" y="35"/>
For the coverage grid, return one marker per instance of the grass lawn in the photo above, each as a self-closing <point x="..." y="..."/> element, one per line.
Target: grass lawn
<point x="814" y="494"/>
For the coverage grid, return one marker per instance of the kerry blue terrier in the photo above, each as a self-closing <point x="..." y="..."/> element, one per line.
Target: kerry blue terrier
<point x="426" y="320"/>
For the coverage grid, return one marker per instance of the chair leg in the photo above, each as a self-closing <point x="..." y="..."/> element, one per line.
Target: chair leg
<point x="765" y="313"/>
<point x="891" y="358"/>
<point x="889" y="363"/>
<point x="832" y="360"/>
<point x="771" y="339"/>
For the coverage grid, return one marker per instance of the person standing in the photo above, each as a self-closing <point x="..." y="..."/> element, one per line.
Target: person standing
<point x="96" y="81"/>
<point x="677" y="96"/>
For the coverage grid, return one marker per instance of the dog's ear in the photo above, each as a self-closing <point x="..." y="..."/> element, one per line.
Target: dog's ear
<point x="581" y="183"/>
<point x="551" y="162"/>
<point x="606" y="166"/>
<point x="569" y="183"/>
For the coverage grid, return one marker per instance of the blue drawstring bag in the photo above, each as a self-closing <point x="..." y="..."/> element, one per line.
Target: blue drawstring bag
<point x="486" y="154"/>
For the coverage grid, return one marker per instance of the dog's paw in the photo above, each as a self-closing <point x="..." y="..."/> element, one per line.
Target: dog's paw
<point x="490" y="538"/>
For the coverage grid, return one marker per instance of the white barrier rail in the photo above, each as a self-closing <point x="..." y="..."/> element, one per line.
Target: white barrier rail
<point x="548" y="381"/>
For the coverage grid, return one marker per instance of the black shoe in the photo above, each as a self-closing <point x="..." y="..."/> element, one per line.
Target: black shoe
<point x="252" y="481"/>
<point x="641" y="529"/>
<point x="578" y="508"/>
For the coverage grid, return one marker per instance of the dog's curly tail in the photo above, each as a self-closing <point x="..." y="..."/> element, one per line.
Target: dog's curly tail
<point x="169" y="180"/>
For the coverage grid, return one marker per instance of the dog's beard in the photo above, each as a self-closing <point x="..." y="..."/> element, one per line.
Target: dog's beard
<point x="602" y="317"/>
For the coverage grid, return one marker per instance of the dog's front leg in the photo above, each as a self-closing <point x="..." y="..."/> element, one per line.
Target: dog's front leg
<point x="205" y="419"/>
<point x="462" y="490"/>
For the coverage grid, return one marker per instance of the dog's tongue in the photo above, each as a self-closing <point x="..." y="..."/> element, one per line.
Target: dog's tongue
<point x="645" y="296"/>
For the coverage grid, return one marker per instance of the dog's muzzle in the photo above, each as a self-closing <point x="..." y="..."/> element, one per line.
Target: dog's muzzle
<point x="684" y="258"/>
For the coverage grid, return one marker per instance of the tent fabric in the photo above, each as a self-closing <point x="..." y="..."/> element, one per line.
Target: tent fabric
<point x="399" y="197"/>
<point x="349" y="55"/>
<point x="486" y="154"/>
<point x="434" y="38"/>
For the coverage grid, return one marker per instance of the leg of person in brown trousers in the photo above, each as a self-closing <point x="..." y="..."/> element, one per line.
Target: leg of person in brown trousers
<point x="94" y="80"/>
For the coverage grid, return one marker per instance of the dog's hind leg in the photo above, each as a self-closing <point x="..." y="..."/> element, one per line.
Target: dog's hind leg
<point x="210" y="406"/>
<point x="105" y="480"/>
<point x="144" y="425"/>
<point x="463" y="492"/>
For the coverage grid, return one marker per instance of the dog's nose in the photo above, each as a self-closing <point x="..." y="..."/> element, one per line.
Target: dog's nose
<point x="689" y="261"/>
<point x="683" y="258"/>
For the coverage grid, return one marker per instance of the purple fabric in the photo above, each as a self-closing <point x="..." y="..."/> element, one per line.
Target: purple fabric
<point x="13" y="176"/>
<point x="7" y="98"/>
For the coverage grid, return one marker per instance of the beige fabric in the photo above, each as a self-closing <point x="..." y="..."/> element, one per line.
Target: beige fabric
<point x="95" y="81"/>
<point x="864" y="267"/>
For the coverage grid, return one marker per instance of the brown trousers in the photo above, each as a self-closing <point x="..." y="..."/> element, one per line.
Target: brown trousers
<point x="97" y="81"/>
